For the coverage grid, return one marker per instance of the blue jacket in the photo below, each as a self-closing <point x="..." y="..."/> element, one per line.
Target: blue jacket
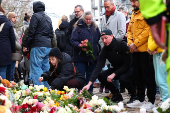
<point x="40" y="31"/>
<point x="80" y="33"/>
<point x="7" y="41"/>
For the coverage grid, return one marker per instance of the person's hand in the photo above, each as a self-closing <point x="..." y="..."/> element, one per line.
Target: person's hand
<point x="84" y="49"/>
<point x="150" y="52"/>
<point x="154" y="52"/>
<point x="135" y="50"/>
<point x="40" y="79"/>
<point x="85" y="87"/>
<point x="25" y="49"/>
<point x="132" y="47"/>
<point x="110" y="77"/>
<point x="1" y="78"/>
<point x="155" y="29"/>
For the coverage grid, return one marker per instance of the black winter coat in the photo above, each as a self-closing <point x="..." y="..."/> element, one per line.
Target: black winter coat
<point x="40" y="31"/>
<point x="118" y="54"/>
<point x="7" y="41"/>
<point x="64" y="71"/>
<point x="71" y="26"/>
<point x="63" y="28"/>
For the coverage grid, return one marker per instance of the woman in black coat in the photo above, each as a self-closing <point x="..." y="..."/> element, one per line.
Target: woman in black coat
<point x="62" y="72"/>
<point x="7" y="43"/>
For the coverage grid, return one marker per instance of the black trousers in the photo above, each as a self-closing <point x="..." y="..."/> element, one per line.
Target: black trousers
<point x="124" y="79"/>
<point x="144" y="75"/>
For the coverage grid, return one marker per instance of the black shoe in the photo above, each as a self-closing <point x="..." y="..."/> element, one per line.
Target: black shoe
<point x="117" y="98"/>
<point x="133" y="98"/>
<point x="122" y="90"/>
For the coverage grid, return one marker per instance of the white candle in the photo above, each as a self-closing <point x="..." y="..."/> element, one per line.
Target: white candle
<point x="142" y="110"/>
<point x="120" y="104"/>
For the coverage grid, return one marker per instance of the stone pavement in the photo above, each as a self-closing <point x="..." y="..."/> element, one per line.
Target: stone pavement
<point x="125" y="99"/>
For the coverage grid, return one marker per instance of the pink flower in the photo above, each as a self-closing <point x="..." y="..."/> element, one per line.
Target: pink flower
<point x="84" y="44"/>
<point x="86" y="40"/>
<point x="27" y="91"/>
<point x="80" y="45"/>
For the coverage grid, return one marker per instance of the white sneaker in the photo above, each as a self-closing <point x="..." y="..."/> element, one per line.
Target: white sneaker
<point x="135" y="104"/>
<point x="148" y="106"/>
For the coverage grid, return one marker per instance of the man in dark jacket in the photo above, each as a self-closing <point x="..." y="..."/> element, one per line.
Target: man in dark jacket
<point x="78" y="11"/>
<point x="118" y="54"/>
<point x="39" y="38"/>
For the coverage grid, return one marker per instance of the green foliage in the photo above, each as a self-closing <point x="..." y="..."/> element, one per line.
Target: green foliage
<point x="160" y="110"/>
<point x="86" y="94"/>
<point x="73" y="100"/>
<point x="108" y="102"/>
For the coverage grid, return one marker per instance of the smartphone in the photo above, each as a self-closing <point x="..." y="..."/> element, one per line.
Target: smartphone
<point x="163" y="30"/>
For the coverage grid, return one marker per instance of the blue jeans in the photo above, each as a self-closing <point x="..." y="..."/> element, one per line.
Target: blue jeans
<point x="10" y="71"/>
<point x="39" y="64"/>
<point x="161" y="76"/>
<point x="3" y="71"/>
<point x="86" y="68"/>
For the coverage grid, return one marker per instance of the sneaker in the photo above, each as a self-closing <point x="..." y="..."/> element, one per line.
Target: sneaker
<point x="135" y="104"/>
<point x="148" y="106"/>
<point x="106" y="90"/>
<point x="158" y="96"/>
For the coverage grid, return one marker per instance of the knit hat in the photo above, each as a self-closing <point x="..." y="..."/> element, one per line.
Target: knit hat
<point x="106" y="32"/>
<point x="11" y="15"/>
<point x="55" y="52"/>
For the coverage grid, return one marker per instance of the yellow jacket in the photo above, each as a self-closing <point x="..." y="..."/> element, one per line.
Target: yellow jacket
<point x="152" y="45"/>
<point x="138" y="32"/>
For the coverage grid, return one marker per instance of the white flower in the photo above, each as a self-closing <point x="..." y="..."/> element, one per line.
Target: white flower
<point x="35" y="93"/>
<point x="47" y="93"/>
<point x="114" y="108"/>
<point x="26" y="100"/>
<point x="17" y="96"/>
<point x="8" y="104"/>
<point x="94" y="97"/>
<point x="165" y="105"/>
<point x="41" y="86"/>
<point x="2" y="97"/>
<point x="45" y="102"/>
<point x="30" y="87"/>
<point x="68" y="109"/>
<point x="23" y="93"/>
<point x="40" y="93"/>
<point x="62" y="110"/>
<point x="48" y="99"/>
<point x="30" y="101"/>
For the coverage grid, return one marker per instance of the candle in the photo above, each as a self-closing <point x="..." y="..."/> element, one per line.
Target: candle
<point x="142" y="110"/>
<point x="120" y="104"/>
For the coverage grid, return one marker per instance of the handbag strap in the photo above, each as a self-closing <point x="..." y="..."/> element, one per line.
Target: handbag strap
<point x="1" y="27"/>
<point x="74" y="69"/>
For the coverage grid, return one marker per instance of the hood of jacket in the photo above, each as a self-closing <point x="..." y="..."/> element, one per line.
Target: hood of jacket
<point x="3" y="19"/>
<point x="25" y="23"/>
<point x="38" y="6"/>
<point x="64" y="25"/>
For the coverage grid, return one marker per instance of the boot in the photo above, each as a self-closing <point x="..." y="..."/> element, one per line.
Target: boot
<point x="109" y="96"/>
<point x="117" y="98"/>
<point x="16" y="76"/>
<point x="132" y="98"/>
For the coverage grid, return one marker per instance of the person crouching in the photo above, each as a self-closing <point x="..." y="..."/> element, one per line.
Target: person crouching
<point x="62" y="71"/>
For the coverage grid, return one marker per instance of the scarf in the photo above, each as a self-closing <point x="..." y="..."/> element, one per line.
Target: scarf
<point x="110" y="12"/>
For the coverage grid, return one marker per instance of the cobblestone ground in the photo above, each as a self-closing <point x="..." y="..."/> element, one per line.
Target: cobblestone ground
<point x="125" y="99"/>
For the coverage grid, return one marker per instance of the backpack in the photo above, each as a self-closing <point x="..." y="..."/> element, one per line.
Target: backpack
<point x="61" y="39"/>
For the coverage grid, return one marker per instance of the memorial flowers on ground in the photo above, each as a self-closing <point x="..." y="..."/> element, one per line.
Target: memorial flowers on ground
<point x="24" y="99"/>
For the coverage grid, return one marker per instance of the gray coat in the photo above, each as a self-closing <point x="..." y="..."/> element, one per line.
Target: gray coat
<point x="17" y="56"/>
<point x="116" y="23"/>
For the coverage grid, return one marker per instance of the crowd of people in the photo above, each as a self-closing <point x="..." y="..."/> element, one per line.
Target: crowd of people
<point x="124" y="50"/>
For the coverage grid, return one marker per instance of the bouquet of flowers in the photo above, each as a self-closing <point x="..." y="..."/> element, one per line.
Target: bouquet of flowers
<point x="86" y="44"/>
<point x="165" y="107"/>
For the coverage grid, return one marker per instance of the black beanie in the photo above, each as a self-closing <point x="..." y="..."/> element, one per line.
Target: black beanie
<point x="106" y="32"/>
<point x="55" y="52"/>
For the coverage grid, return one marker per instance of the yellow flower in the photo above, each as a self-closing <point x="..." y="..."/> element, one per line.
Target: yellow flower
<point x="45" y="89"/>
<point x="52" y="91"/>
<point x="57" y="104"/>
<point x="2" y="109"/>
<point x="61" y="98"/>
